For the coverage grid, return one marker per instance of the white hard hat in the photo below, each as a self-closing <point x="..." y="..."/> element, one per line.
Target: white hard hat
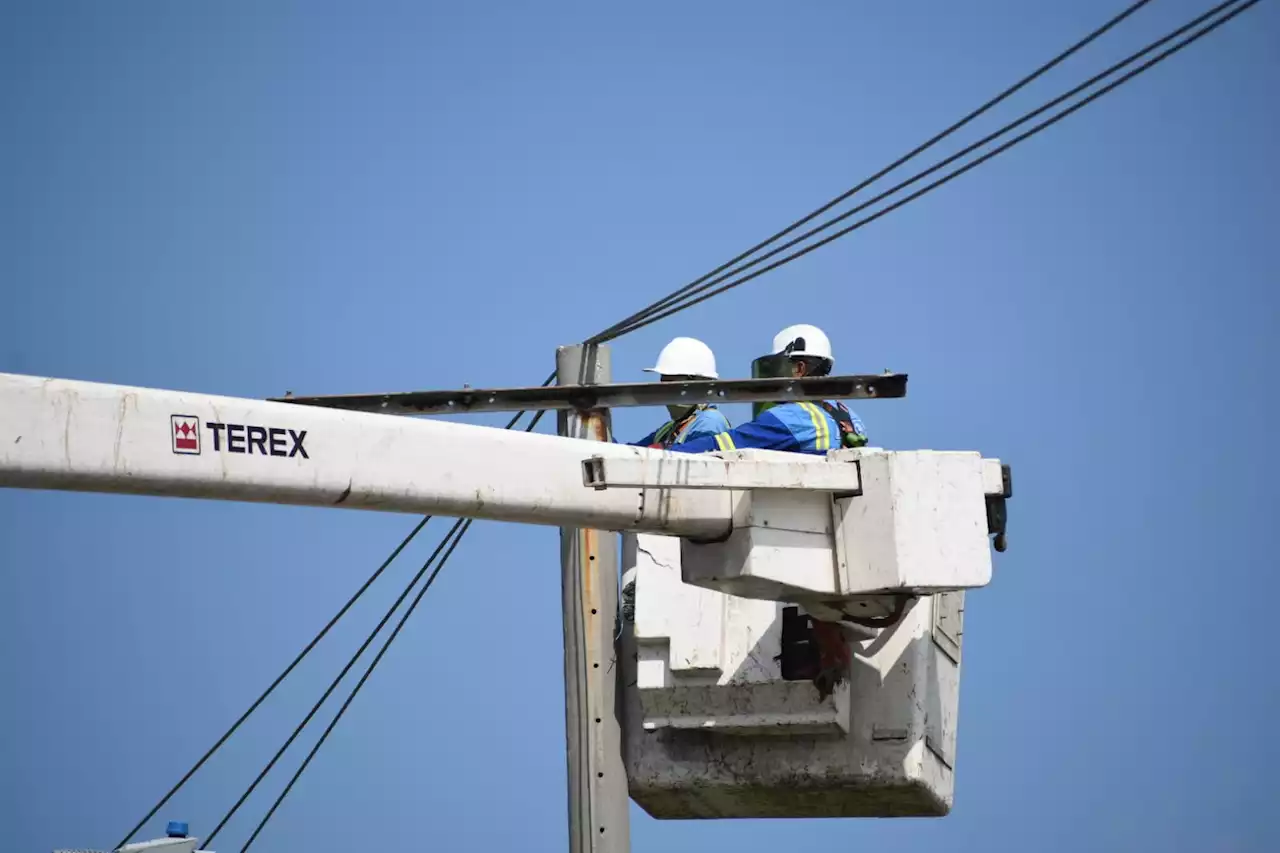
<point x="803" y="340"/>
<point x="686" y="357"/>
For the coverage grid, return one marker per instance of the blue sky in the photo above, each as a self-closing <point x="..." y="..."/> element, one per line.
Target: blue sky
<point x="247" y="198"/>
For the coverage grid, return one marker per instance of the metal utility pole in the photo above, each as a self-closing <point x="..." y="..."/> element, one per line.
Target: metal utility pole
<point x="598" y="801"/>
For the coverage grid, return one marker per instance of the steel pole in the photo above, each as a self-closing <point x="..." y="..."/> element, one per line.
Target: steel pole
<point x="598" y="801"/>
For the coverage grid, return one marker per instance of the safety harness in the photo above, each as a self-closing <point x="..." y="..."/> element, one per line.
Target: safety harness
<point x="669" y="432"/>
<point x="849" y="435"/>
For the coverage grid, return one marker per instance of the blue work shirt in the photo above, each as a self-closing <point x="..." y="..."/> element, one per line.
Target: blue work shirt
<point x="706" y="422"/>
<point x="802" y="427"/>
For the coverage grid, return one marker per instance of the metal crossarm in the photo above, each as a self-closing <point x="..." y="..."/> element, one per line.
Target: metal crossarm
<point x="586" y="397"/>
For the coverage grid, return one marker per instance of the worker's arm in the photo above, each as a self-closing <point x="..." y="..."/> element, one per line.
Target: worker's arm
<point x="647" y="440"/>
<point x="764" y="433"/>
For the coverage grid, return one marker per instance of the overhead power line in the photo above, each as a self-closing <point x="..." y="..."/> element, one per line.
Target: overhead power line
<point x="689" y="302"/>
<point x="626" y="323"/>
<point x="341" y="675"/>
<point x="281" y="677"/>
<point x="456" y="533"/>
<point x="679" y="300"/>
<point x="297" y="660"/>
<point x="333" y="685"/>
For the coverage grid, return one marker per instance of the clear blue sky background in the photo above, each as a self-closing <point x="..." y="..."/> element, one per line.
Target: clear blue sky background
<point x="245" y="198"/>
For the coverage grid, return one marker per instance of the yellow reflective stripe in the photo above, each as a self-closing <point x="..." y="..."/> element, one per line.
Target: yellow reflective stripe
<point x="724" y="441"/>
<point x="822" y="439"/>
<point x="825" y="420"/>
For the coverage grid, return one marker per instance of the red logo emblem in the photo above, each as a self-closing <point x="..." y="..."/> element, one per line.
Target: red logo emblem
<point x="185" y="432"/>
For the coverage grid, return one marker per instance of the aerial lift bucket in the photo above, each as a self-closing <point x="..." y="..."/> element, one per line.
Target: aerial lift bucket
<point x="722" y="716"/>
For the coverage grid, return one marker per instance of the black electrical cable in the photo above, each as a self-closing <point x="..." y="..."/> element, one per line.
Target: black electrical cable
<point x="651" y="315"/>
<point x="297" y="660"/>
<point x="960" y="171"/>
<point x="316" y="707"/>
<point x="612" y="331"/>
<point x="302" y="654"/>
<point x="919" y="175"/>
<point x="456" y="533"/>
<point x="336" y="681"/>
<point x="460" y="528"/>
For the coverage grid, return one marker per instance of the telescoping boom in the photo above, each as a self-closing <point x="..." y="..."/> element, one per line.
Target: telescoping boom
<point x="777" y="526"/>
<point x="84" y="436"/>
<point x="875" y="544"/>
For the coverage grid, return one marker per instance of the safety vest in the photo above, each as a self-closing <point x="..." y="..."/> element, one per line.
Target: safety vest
<point x="669" y="433"/>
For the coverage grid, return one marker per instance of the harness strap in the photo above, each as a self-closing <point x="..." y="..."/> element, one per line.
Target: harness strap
<point x="849" y="435"/>
<point x="672" y="430"/>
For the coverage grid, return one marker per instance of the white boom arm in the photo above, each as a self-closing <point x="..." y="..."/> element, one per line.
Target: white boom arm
<point x="757" y="524"/>
<point x="84" y="436"/>
<point x="858" y="536"/>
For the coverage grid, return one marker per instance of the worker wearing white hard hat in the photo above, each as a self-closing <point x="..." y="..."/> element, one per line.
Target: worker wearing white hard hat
<point x="684" y="360"/>
<point x="801" y="427"/>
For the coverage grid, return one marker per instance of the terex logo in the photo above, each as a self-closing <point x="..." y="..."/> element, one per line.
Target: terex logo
<point x="265" y="441"/>
<point x="185" y="433"/>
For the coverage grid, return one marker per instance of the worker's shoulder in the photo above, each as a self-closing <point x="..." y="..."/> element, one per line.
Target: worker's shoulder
<point x="800" y="410"/>
<point x="706" y="422"/>
<point x="807" y="408"/>
<point x="858" y="426"/>
<point x="712" y="416"/>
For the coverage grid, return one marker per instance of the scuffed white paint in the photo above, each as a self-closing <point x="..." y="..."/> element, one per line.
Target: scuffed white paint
<point x="918" y="525"/>
<point x="87" y="436"/>
<point x="732" y="739"/>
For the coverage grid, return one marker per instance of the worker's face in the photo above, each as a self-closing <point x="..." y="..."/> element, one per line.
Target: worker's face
<point x="799" y="368"/>
<point x="679" y="410"/>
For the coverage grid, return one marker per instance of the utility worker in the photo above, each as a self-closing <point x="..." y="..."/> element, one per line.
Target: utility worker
<point x="801" y="427"/>
<point x="683" y="360"/>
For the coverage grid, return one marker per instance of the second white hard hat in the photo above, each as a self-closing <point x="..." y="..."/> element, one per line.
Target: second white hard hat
<point x="803" y="340"/>
<point x="686" y="357"/>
